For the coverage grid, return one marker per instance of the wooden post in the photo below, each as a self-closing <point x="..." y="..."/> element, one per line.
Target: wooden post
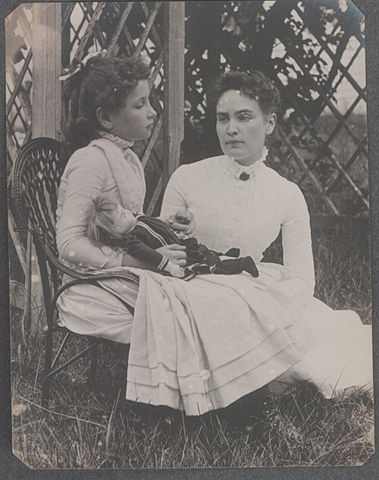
<point x="173" y="50"/>
<point x="46" y="104"/>
<point x="46" y="115"/>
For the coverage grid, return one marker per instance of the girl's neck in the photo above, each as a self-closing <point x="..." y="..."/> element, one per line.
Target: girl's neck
<point x="116" y="139"/>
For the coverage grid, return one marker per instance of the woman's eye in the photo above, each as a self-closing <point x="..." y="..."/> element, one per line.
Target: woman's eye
<point x="244" y="118"/>
<point x="222" y="119"/>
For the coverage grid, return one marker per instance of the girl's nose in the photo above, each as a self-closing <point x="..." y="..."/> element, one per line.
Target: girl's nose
<point x="152" y="113"/>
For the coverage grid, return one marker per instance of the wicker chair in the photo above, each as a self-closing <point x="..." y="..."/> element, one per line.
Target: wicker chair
<point x="36" y="176"/>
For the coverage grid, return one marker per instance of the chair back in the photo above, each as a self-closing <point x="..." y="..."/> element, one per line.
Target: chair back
<point x="36" y="176"/>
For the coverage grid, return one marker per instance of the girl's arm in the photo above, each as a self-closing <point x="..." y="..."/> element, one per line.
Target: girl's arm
<point x="297" y="246"/>
<point x="85" y="177"/>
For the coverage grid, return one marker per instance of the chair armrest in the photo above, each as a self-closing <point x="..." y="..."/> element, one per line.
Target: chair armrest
<point x="94" y="280"/>
<point x="79" y="277"/>
<point x="41" y="240"/>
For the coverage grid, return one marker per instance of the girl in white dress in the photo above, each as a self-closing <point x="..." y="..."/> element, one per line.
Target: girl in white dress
<point x="109" y="110"/>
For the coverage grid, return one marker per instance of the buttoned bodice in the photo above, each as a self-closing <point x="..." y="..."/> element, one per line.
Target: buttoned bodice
<point x="248" y="214"/>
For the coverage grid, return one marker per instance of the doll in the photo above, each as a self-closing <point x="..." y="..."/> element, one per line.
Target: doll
<point x="140" y="235"/>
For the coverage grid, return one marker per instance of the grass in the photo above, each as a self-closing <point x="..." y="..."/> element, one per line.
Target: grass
<point x="99" y="429"/>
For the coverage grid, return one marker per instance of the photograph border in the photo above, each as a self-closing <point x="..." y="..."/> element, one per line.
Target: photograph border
<point x="11" y="467"/>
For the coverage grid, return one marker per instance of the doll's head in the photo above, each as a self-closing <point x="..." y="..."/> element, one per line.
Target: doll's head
<point x="108" y="93"/>
<point x="109" y="222"/>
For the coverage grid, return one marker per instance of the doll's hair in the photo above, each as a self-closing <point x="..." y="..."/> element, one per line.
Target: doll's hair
<point x="101" y="214"/>
<point x="254" y="85"/>
<point x="103" y="81"/>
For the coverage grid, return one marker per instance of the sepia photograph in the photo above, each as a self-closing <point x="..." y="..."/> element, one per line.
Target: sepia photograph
<point x="189" y="249"/>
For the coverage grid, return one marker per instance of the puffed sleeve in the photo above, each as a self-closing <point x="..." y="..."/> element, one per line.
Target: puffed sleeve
<point x="175" y="196"/>
<point x="297" y="243"/>
<point x="84" y="177"/>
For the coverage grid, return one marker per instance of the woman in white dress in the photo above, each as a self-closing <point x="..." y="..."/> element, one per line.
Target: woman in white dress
<point x="237" y="201"/>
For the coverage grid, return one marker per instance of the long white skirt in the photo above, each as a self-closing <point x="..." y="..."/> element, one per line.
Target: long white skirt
<point x="202" y="344"/>
<point x="90" y="310"/>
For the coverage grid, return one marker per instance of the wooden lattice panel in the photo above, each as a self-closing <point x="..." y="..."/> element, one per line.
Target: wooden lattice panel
<point x="18" y="82"/>
<point x="313" y="50"/>
<point x="18" y="78"/>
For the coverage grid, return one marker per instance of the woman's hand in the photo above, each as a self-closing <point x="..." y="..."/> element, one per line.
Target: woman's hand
<point x="182" y="221"/>
<point x="175" y="253"/>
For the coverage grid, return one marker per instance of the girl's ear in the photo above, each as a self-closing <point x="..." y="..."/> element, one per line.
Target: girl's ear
<point x="103" y="119"/>
<point x="271" y="122"/>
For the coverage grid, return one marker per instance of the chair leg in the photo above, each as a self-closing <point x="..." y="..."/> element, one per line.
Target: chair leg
<point x="125" y="376"/>
<point x="92" y="370"/>
<point x="47" y="368"/>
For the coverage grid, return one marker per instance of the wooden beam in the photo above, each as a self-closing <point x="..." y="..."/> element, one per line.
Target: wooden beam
<point x="46" y="115"/>
<point x="173" y="54"/>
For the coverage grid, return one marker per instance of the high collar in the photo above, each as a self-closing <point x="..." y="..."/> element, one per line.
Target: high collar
<point x="252" y="170"/>
<point x="121" y="142"/>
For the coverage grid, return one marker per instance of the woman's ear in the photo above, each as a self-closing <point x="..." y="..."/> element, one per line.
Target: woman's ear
<point x="271" y="122"/>
<point x="103" y="119"/>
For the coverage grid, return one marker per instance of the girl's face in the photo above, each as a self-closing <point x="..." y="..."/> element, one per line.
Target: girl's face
<point x="242" y="127"/>
<point x="122" y="222"/>
<point x="135" y="120"/>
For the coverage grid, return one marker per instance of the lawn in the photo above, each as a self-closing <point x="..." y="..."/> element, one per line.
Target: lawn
<point x="99" y="429"/>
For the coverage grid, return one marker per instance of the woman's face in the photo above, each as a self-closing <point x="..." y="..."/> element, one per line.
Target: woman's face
<point x="242" y="127"/>
<point x="135" y="120"/>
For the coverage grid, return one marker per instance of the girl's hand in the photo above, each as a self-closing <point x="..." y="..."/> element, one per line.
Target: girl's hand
<point x="174" y="270"/>
<point x="175" y="253"/>
<point x="182" y="221"/>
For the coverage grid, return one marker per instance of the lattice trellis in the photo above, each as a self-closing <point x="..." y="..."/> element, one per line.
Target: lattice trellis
<point x="328" y="157"/>
<point x="311" y="49"/>
<point x="18" y="79"/>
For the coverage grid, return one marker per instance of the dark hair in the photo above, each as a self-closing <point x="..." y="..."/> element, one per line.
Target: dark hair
<point x="254" y="85"/>
<point x="104" y="81"/>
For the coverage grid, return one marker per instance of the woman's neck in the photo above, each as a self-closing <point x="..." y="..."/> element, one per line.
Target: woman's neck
<point x="247" y="162"/>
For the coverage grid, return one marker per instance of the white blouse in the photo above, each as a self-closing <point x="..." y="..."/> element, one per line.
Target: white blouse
<point x="230" y="212"/>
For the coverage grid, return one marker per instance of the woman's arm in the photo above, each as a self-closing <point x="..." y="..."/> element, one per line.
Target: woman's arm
<point x="297" y="245"/>
<point x="174" y="198"/>
<point x="85" y="176"/>
<point x="174" y="210"/>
